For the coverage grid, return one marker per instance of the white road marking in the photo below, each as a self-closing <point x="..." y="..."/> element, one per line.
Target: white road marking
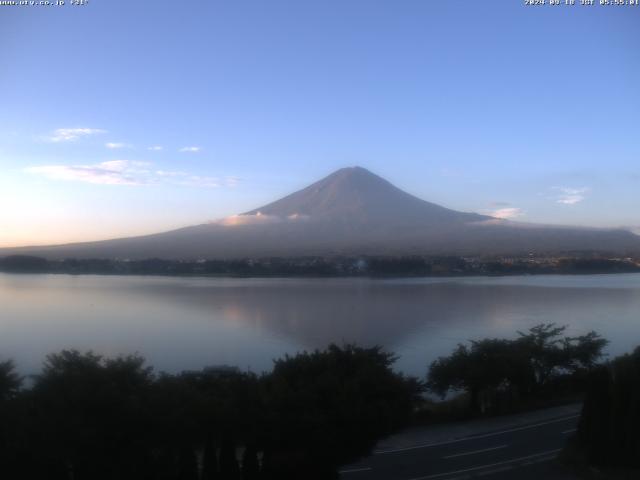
<point x="493" y="471"/>
<point x="490" y="465"/>
<point x="475" y="451"/>
<point x="475" y="437"/>
<point x="355" y="470"/>
<point x="569" y="431"/>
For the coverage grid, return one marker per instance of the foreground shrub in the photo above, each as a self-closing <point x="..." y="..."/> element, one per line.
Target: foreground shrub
<point x="90" y="417"/>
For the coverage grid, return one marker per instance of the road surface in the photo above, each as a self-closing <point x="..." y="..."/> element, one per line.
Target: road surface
<point x="523" y="451"/>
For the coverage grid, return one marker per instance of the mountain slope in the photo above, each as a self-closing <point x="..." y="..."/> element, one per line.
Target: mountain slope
<point x="356" y="195"/>
<point x="350" y="212"/>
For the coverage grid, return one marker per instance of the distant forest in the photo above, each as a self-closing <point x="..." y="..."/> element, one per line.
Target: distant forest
<point x="330" y="267"/>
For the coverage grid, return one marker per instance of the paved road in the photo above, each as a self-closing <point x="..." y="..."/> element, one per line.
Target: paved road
<point x="518" y="452"/>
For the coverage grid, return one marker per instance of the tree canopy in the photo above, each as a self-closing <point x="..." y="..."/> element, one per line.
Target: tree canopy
<point x="91" y="417"/>
<point x="10" y="381"/>
<point x="514" y="368"/>
<point x="610" y="420"/>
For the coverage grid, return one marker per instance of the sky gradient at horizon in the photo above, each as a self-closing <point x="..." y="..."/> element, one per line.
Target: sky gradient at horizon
<point x="123" y="118"/>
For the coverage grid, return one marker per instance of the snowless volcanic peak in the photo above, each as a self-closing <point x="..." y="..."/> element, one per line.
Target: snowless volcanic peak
<point x="357" y="195"/>
<point x="352" y="212"/>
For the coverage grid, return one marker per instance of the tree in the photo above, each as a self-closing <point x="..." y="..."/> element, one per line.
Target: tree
<point x="187" y="463"/>
<point x="584" y="352"/>
<point x="493" y="369"/>
<point x="210" y="460"/>
<point x="543" y="344"/>
<point x="90" y="417"/>
<point x="10" y="381"/>
<point x="328" y="407"/>
<point x="610" y="419"/>
<point x="10" y="427"/>
<point x="483" y="369"/>
<point x="229" y="469"/>
<point x="90" y="414"/>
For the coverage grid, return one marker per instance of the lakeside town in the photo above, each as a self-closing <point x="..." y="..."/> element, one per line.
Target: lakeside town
<point x="337" y="266"/>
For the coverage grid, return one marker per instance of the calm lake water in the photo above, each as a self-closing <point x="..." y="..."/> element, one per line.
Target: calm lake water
<point x="187" y="323"/>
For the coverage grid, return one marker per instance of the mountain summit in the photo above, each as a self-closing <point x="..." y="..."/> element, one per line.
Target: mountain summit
<point x="350" y="212"/>
<point x="355" y="194"/>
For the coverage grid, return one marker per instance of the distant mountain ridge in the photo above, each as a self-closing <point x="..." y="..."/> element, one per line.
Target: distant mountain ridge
<point x="350" y="212"/>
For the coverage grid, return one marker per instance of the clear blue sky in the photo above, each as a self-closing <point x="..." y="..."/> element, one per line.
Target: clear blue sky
<point x="487" y="106"/>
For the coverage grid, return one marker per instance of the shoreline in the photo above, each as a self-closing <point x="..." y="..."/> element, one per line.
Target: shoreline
<point x="317" y="276"/>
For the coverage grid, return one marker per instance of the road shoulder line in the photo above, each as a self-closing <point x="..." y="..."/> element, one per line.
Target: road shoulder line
<point x="483" y="467"/>
<point x="474" y="437"/>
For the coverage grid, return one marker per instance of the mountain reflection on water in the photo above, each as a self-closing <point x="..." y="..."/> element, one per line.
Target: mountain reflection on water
<point x="186" y="323"/>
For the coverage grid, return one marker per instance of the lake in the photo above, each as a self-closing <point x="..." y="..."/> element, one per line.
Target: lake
<point x="182" y="323"/>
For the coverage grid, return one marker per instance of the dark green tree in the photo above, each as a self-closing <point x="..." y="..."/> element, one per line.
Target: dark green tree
<point x="11" y="431"/>
<point x="210" y="460"/>
<point x="543" y="345"/>
<point x="610" y="420"/>
<point x="10" y="381"/>
<point x="90" y="417"/>
<point x="187" y="463"/>
<point x="498" y="373"/>
<point x="91" y="414"/>
<point x="585" y="351"/>
<point x="483" y="370"/>
<point x="229" y="468"/>
<point x="328" y="407"/>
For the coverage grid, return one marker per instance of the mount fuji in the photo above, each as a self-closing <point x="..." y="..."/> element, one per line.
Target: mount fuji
<point x="350" y="212"/>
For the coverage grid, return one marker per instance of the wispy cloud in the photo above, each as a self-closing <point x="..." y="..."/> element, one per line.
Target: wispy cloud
<point x="155" y="148"/>
<point x="202" y="181"/>
<point x="507" y="213"/>
<point x="179" y="177"/>
<point x="72" y="134"/>
<point x="171" y="173"/>
<point x="115" y="145"/>
<point x="190" y="149"/>
<point x="570" y="195"/>
<point x="232" y="181"/>
<point x="114" y="172"/>
<point x="126" y="172"/>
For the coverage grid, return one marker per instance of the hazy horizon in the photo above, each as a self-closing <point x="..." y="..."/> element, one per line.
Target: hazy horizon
<point x="136" y="119"/>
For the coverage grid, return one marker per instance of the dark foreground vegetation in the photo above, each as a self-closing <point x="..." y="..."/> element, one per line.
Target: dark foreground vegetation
<point x="608" y="435"/>
<point x="541" y="367"/>
<point x="579" y="263"/>
<point x="499" y="376"/>
<point x="88" y="417"/>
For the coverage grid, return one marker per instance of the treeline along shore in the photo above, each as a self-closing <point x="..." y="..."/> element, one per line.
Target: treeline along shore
<point x="340" y="266"/>
<point x="84" y="416"/>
